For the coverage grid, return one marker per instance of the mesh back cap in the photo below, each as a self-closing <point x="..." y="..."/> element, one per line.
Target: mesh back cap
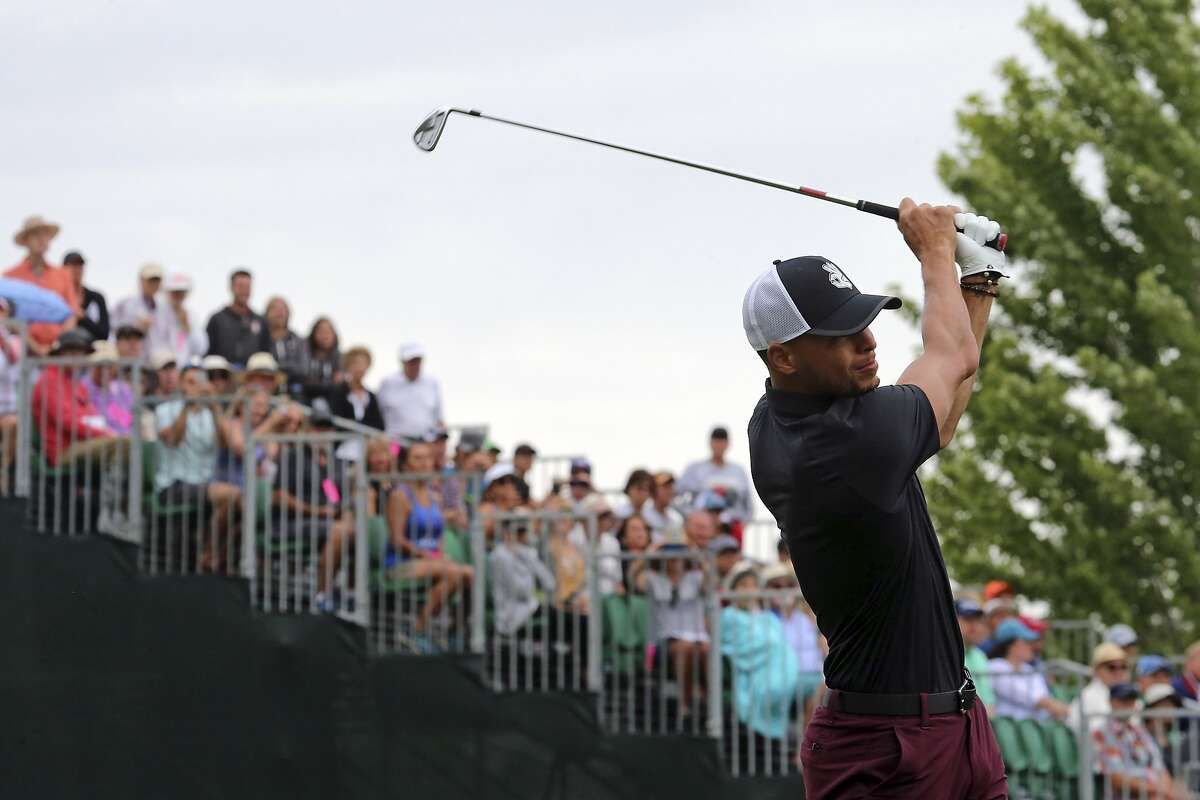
<point x="809" y="295"/>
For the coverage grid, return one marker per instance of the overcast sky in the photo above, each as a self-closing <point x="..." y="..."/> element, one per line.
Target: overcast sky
<point x="581" y="299"/>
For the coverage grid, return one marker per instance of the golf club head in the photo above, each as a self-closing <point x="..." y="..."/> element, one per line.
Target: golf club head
<point x="429" y="131"/>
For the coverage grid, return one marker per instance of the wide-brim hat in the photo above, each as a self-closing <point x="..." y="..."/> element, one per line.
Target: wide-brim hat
<point x="262" y="364"/>
<point x="33" y="225"/>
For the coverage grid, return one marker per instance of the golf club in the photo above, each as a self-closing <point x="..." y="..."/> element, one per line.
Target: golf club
<point x="430" y="131"/>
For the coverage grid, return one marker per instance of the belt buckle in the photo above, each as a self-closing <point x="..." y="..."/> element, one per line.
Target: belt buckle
<point x="966" y="696"/>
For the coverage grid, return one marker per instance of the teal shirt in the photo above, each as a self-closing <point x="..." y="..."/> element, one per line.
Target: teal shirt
<point x="192" y="460"/>
<point x="977" y="662"/>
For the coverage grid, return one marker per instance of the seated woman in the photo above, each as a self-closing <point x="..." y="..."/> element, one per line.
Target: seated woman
<point x="1021" y="691"/>
<point x="633" y="537"/>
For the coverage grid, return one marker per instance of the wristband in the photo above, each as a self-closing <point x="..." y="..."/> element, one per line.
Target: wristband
<point x="980" y="288"/>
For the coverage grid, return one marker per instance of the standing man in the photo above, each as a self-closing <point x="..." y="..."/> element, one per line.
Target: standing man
<point x="411" y="400"/>
<point x="834" y="457"/>
<point x="236" y="332"/>
<point x="142" y="310"/>
<point x="35" y="236"/>
<point x="715" y="473"/>
<point x="93" y="310"/>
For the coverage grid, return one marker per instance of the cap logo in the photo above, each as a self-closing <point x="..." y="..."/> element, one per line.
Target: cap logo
<point x="836" y="276"/>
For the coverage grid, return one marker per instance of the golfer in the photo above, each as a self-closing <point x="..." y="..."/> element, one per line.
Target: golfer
<point x="834" y="457"/>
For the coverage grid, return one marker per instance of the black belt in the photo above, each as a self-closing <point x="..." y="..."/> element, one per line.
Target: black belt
<point x="902" y="705"/>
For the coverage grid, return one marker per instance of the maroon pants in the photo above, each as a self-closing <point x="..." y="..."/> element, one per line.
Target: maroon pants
<point x="940" y="757"/>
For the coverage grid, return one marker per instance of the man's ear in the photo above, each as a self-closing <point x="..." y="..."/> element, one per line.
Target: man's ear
<point x="780" y="359"/>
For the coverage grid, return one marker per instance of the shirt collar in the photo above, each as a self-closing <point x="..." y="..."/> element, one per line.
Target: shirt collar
<point x="795" y="404"/>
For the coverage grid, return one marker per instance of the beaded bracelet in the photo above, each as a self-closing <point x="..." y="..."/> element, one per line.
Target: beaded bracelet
<point x="978" y="288"/>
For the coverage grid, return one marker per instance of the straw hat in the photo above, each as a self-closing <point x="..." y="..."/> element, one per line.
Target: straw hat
<point x="33" y="225"/>
<point x="262" y="364"/>
<point x="104" y="350"/>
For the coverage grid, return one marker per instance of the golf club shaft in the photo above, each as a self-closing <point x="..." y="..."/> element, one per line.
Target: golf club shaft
<point x="891" y="212"/>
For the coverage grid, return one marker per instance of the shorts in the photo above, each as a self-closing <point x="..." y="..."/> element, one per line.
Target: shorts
<point x="184" y="494"/>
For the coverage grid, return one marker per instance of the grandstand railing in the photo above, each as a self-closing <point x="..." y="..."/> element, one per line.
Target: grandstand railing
<point x="14" y="402"/>
<point x="1176" y="740"/>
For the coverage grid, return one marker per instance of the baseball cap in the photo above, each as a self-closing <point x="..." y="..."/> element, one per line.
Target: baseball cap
<point x="1157" y="692"/>
<point x="1105" y="652"/>
<point x="130" y="331"/>
<point x="723" y="544"/>
<point x="998" y="604"/>
<point x="966" y="607"/>
<point x="1012" y="629"/>
<point x="525" y="449"/>
<point x="713" y="500"/>
<point x="411" y="350"/>
<point x="74" y="257"/>
<point x="498" y="471"/>
<point x="719" y="432"/>
<point x="581" y="465"/>
<point x="802" y="295"/>
<point x="1123" y="691"/>
<point x="492" y="447"/>
<point x="1150" y="664"/>
<point x="163" y="359"/>
<point x="1121" y="634"/>
<point x="150" y="270"/>
<point x="73" y="339"/>
<point x="1038" y="626"/>
<point x="178" y="282"/>
<point x="996" y="588"/>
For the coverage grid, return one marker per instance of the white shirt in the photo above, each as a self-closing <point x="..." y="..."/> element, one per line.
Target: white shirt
<point x="131" y="311"/>
<point x="1094" y="699"/>
<point x="1018" y="691"/>
<point x="410" y="408"/>
<point x="665" y="524"/>
<point x="168" y="334"/>
<point x="517" y="573"/>
<point x="682" y="619"/>
<point x="701" y="476"/>
<point x="608" y="569"/>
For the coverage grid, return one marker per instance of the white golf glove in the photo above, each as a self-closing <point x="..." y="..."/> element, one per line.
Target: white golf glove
<point x="972" y="255"/>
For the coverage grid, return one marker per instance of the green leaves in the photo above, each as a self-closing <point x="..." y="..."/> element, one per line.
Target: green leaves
<point x="1077" y="473"/>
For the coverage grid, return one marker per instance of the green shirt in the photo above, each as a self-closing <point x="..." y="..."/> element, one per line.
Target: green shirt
<point x="977" y="662"/>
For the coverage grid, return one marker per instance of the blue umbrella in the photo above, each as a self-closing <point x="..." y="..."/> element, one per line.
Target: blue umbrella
<point x="33" y="303"/>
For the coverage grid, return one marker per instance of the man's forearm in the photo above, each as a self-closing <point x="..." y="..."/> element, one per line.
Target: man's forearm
<point x="979" y="308"/>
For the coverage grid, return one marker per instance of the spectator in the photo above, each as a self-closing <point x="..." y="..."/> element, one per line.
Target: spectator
<point x="765" y="670"/>
<point x="1039" y="627"/>
<point x="130" y="343"/>
<point x="800" y="630"/>
<point x="727" y="554"/>
<point x="566" y="560"/>
<point x="579" y="486"/>
<point x="633" y="536"/>
<point x="286" y="345"/>
<point x="1152" y="669"/>
<point x="1109" y="667"/>
<point x="1188" y="683"/>
<point x="522" y="461"/>
<point x="35" y="236"/>
<point x="411" y="547"/>
<point x="220" y="375"/>
<point x="322" y="360"/>
<point x="1179" y="743"/>
<point x="166" y="373"/>
<point x="310" y="486"/>
<point x="188" y="438"/>
<point x="262" y="371"/>
<point x="108" y="391"/>
<point x="609" y="568"/>
<point x="264" y="420"/>
<point x="352" y="399"/>
<point x="1125" y="637"/>
<point x="411" y="401"/>
<point x="995" y="612"/>
<point x="1021" y="691"/>
<point x="999" y="589"/>
<point x="143" y="310"/>
<point x="974" y="631"/>
<point x="699" y="529"/>
<point x="517" y="573"/>
<point x="663" y="518"/>
<point x="676" y="620"/>
<point x="501" y="494"/>
<point x="70" y="427"/>
<point x="10" y="378"/>
<point x="93" y="310"/>
<point x="236" y="332"/>
<point x="1125" y="753"/>
<point x="438" y="439"/>
<point x="639" y="488"/>
<point x="782" y="553"/>
<point x="175" y="329"/>
<point x="715" y="472"/>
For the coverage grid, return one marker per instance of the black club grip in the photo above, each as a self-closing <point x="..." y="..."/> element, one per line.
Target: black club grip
<point x="891" y="212"/>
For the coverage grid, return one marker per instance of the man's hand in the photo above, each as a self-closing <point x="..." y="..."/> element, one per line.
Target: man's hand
<point x="928" y="230"/>
<point x="972" y="255"/>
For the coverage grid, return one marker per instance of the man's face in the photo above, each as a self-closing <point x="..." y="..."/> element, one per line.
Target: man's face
<point x="1110" y="673"/>
<point x="150" y="286"/>
<point x="76" y="273"/>
<point x="581" y="487"/>
<point x="700" y="529"/>
<point x="241" y="290"/>
<point x="176" y="298"/>
<point x="726" y="560"/>
<point x="412" y="368"/>
<point x="835" y="366"/>
<point x="719" y="445"/>
<point x="221" y="381"/>
<point x="129" y="347"/>
<point x="973" y="630"/>
<point x="193" y="383"/>
<point x="1146" y="681"/>
<point x="261" y="380"/>
<point x="168" y="379"/>
<point x="664" y="493"/>
<point x="1124" y="705"/>
<point x="523" y="462"/>
<point x="38" y="242"/>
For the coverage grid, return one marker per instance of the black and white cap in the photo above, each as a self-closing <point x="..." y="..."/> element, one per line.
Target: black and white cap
<point x="810" y="295"/>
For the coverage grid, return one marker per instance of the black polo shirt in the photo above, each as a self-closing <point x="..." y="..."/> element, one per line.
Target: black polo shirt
<point x="839" y="475"/>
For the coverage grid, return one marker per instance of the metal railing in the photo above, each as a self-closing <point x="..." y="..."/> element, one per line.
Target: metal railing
<point x="547" y="471"/>
<point x="14" y="401"/>
<point x="1143" y="754"/>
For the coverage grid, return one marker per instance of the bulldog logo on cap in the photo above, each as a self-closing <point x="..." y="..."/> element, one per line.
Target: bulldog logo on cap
<point x="836" y="276"/>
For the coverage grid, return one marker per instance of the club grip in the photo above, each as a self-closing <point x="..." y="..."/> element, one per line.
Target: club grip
<point x="891" y="212"/>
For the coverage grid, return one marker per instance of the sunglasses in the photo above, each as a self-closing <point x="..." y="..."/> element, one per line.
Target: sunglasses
<point x="1115" y="666"/>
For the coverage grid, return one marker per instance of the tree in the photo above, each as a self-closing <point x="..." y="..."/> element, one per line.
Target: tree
<point x="1078" y="472"/>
